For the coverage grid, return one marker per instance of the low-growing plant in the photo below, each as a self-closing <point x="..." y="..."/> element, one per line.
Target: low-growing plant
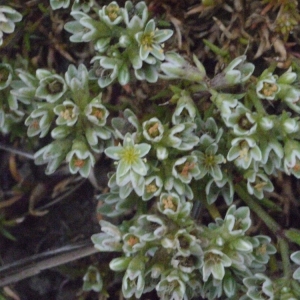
<point x="202" y="143"/>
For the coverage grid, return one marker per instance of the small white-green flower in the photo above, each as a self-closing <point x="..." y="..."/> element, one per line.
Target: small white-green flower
<point x="216" y="187"/>
<point x="133" y="281"/>
<point x="153" y="130"/>
<point x="51" y="86"/>
<point x="186" y="168"/>
<point x="92" y="280"/>
<point x="150" y="228"/>
<point x="244" y="151"/>
<point x="184" y="243"/>
<point x="96" y="112"/>
<point x="242" y="120"/>
<point x="173" y="206"/>
<point x="151" y="39"/>
<point x="80" y="159"/>
<point x="259" y="287"/>
<point x="267" y="86"/>
<point x="67" y="113"/>
<point x="238" y="71"/>
<point x="130" y="158"/>
<point x="209" y="162"/>
<point x="111" y="14"/>
<point x="153" y="187"/>
<point x="132" y="243"/>
<point x="172" y="288"/>
<point x="185" y="110"/>
<point x="215" y="262"/>
<point x="39" y="121"/>
<point x="84" y="5"/>
<point x="258" y="183"/>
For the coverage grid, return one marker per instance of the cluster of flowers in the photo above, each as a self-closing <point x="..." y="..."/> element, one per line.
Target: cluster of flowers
<point x="165" y="161"/>
<point x="167" y="251"/>
<point x="79" y="116"/>
<point x="123" y="38"/>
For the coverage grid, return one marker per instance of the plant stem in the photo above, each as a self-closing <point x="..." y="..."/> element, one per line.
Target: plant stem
<point x="272" y="225"/>
<point x="253" y="205"/>
<point x="212" y="209"/>
<point x="284" y="251"/>
<point x="256" y="102"/>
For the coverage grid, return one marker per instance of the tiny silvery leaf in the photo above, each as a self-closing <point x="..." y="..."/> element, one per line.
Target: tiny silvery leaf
<point x="86" y="29"/>
<point x="177" y="67"/>
<point x="8" y="18"/>
<point x="136" y="16"/>
<point x="56" y="4"/>
<point x="120" y="263"/>
<point x="92" y="280"/>
<point x="6" y="73"/>
<point x="109" y="239"/>
<point x="295" y="257"/>
<point x="24" y="89"/>
<point x="78" y="81"/>
<point x="53" y="154"/>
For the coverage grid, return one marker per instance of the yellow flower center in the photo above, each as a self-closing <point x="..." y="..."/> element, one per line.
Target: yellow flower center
<point x="147" y="41"/>
<point x="98" y="113"/>
<point x="269" y="89"/>
<point x="243" y="153"/>
<point x="151" y="188"/>
<point x="132" y="241"/>
<point x="185" y="168"/>
<point x="78" y="162"/>
<point x="169" y="204"/>
<point x="129" y="155"/>
<point x="68" y="114"/>
<point x="112" y="11"/>
<point x="153" y="130"/>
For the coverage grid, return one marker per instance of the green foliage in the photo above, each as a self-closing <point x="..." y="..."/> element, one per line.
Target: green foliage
<point x="169" y="159"/>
